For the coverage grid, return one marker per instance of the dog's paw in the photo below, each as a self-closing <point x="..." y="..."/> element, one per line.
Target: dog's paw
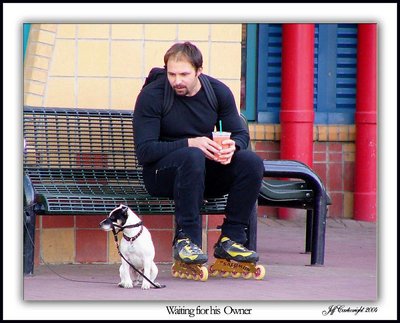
<point x="125" y="284"/>
<point x="145" y="285"/>
<point x="136" y="283"/>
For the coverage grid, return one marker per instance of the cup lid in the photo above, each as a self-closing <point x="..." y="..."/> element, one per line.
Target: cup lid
<point x="223" y="133"/>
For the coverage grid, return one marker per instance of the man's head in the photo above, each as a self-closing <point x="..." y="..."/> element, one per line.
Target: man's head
<point x="184" y="64"/>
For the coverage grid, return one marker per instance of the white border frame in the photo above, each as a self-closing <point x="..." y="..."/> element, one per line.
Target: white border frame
<point x="16" y="14"/>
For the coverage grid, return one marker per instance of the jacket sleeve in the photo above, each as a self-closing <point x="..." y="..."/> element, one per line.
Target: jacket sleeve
<point x="146" y="125"/>
<point x="230" y="118"/>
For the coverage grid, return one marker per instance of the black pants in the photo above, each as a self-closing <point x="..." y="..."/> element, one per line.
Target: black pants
<point x="188" y="177"/>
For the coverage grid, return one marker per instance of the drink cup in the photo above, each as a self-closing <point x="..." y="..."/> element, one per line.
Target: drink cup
<point x="219" y="137"/>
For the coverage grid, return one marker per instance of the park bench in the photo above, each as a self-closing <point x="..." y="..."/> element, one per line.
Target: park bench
<point x="83" y="162"/>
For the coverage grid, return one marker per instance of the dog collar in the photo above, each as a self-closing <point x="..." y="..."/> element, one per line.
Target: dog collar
<point x="133" y="238"/>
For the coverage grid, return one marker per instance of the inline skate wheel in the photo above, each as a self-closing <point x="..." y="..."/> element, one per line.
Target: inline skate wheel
<point x="225" y="274"/>
<point x="213" y="272"/>
<point x="174" y="272"/>
<point x="235" y="274"/>
<point x="203" y="276"/>
<point x="260" y="272"/>
<point x="247" y="275"/>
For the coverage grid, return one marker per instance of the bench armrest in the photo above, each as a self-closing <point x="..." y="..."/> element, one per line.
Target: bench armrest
<point x="299" y="170"/>
<point x="29" y="191"/>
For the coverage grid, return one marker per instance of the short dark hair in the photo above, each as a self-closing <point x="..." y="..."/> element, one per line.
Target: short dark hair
<point x="187" y="50"/>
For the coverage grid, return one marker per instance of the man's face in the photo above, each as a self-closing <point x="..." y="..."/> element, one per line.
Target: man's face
<point x="183" y="77"/>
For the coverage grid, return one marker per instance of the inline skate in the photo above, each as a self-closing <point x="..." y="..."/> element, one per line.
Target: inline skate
<point x="233" y="259"/>
<point x="189" y="260"/>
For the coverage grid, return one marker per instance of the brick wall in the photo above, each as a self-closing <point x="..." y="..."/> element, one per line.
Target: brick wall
<point x="78" y="239"/>
<point x="333" y="161"/>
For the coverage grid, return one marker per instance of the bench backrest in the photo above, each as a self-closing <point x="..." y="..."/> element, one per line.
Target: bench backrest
<point x="84" y="152"/>
<point x="76" y="138"/>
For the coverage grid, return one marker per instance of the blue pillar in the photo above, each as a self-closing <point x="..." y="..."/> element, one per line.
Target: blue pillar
<point x="27" y="28"/>
<point x="251" y="73"/>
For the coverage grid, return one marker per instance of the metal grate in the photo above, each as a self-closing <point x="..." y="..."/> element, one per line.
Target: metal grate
<point x="84" y="162"/>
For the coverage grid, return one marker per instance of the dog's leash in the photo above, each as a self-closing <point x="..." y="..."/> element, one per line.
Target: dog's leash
<point x="133" y="267"/>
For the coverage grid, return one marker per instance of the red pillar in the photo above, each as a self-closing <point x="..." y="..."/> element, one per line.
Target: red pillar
<point x="365" y="157"/>
<point x="297" y="111"/>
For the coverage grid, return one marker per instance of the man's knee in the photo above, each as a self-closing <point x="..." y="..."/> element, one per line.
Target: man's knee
<point x="249" y="160"/>
<point x="193" y="158"/>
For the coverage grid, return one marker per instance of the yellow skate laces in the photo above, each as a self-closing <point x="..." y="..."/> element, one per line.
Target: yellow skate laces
<point x="236" y="249"/>
<point x="189" y="250"/>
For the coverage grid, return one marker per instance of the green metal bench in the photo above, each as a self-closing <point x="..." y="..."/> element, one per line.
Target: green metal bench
<point x="301" y="189"/>
<point x="305" y="192"/>
<point x="83" y="162"/>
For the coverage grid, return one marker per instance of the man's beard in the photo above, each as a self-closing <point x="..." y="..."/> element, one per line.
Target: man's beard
<point x="181" y="91"/>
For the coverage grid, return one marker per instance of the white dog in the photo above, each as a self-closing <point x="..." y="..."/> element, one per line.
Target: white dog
<point x="136" y="246"/>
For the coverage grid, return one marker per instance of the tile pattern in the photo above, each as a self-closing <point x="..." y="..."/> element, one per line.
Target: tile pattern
<point x="104" y="65"/>
<point x="78" y="240"/>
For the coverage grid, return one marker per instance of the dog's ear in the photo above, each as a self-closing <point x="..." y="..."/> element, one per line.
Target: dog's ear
<point x="124" y="209"/>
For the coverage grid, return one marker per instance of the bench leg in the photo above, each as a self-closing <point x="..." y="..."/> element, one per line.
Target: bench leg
<point x="29" y="240"/>
<point x="252" y="230"/>
<point x="309" y="230"/>
<point x="318" y="232"/>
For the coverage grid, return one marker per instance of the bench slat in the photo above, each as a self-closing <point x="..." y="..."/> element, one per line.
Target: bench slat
<point x="97" y="204"/>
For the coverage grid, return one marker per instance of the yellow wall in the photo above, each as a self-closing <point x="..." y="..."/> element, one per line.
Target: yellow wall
<point x="104" y="65"/>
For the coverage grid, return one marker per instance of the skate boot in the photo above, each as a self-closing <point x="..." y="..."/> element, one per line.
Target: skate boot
<point x="188" y="260"/>
<point x="233" y="259"/>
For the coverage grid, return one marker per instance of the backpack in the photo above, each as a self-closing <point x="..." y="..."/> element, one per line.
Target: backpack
<point x="158" y="72"/>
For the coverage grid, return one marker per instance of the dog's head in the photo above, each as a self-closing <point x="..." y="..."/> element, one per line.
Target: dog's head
<point x="117" y="217"/>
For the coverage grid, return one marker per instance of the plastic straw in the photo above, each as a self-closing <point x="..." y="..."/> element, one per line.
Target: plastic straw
<point x="220" y="126"/>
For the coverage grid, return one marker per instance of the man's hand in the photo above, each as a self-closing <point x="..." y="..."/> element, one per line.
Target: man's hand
<point x="226" y="154"/>
<point x="206" y="145"/>
<point x="214" y="151"/>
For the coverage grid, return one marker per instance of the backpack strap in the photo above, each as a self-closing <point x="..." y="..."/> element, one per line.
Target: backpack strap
<point x="212" y="98"/>
<point x="154" y="74"/>
<point x="168" y="97"/>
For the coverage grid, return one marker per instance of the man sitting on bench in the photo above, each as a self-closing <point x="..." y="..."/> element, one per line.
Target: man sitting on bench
<point x="181" y="161"/>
